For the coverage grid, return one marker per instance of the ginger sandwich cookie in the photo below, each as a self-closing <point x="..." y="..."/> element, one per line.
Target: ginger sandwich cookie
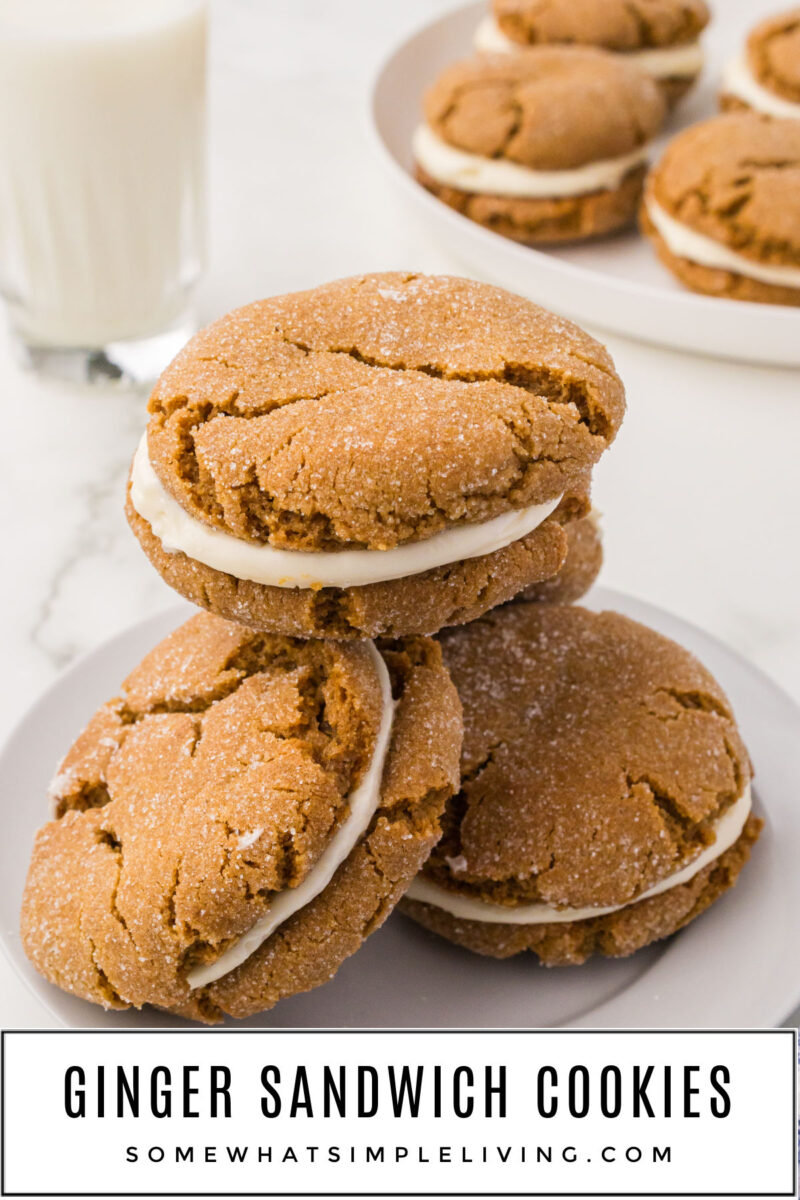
<point x="605" y="790"/>
<point x="765" y="75"/>
<point x="230" y="828"/>
<point x="384" y="455"/>
<point x="722" y="208"/>
<point x="545" y="146"/>
<point x="659" y="37"/>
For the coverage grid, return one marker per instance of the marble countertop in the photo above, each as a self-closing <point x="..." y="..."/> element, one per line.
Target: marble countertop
<point x="700" y="495"/>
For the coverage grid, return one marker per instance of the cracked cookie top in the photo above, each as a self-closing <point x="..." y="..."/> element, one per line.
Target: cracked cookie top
<point x="736" y="179"/>
<point x="613" y="24"/>
<point x="211" y="785"/>
<point x="773" y="54"/>
<point x="553" y="108"/>
<point x="597" y="756"/>
<point x="379" y="410"/>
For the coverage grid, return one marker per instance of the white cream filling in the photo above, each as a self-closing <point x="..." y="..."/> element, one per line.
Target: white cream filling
<point x="671" y="62"/>
<point x="490" y="39"/>
<point x="178" y="531"/>
<point x="738" y="80"/>
<point x="468" y="908"/>
<point x="684" y="242"/>
<point x="499" y="177"/>
<point x="362" y="802"/>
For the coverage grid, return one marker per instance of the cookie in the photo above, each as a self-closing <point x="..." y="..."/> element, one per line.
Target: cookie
<point x="384" y="455"/>
<point x="660" y="37"/>
<point x="605" y="789"/>
<point x="722" y="208"/>
<point x="232" y="826"/>
<point x="580" y="570"/>
<point x="548" y="145"/>
<point x="765" y="75"/>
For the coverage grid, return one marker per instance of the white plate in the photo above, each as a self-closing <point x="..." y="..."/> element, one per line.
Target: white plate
<point x="615" y="283"/>
<point x="736" y="966"/>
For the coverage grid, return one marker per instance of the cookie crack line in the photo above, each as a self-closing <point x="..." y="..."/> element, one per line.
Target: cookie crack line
<point x="727" y="831"/>
<point x="178" y="532"/>
<point x="543" y="383"/>
<point x="69" y="794"/>
<point x="696" y="700"/>
<point x="518" y="117"/>
<point x="643" y="27"/>
<point x="475" y="772"/>
<point x="104" y="985"/>
<point x="107" y="838"/>
<point x="667" y="804"/>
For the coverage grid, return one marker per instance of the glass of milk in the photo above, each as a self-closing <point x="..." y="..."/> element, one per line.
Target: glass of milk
<point x="102" y="166"/>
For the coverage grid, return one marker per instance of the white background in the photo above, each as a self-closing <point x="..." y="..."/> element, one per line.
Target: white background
<point x="750" y="1150"/>
<point x="700" y="495"/>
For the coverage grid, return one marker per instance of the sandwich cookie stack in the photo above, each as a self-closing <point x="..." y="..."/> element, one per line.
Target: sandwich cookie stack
<point x="378" y="493"/>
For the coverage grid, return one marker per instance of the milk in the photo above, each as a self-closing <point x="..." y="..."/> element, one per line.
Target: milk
<point x="101" y="166"/>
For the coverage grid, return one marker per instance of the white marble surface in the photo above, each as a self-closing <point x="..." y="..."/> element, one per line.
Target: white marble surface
<point x="700" y="495"/>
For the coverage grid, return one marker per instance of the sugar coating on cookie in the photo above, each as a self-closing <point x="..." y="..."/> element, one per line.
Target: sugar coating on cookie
<point x="383" y="454"/>
<point x="605" y="789"/>
<point x="545" y="145"/>
<point x="765" y="74"/>
<point x="722" y="208"/>
<point x="661" y="37"/>
<point x="189" y="861"/>
<point x="581" y="566"/>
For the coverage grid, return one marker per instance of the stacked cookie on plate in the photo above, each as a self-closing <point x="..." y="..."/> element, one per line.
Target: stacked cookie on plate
<point x="335" y="476"/>
<point x="605" y="791"/>
<point x="722" y="208"/>
<point x="545" y="134"/>
<point x="547" y="145"/>
<point x="385" y="455"/>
